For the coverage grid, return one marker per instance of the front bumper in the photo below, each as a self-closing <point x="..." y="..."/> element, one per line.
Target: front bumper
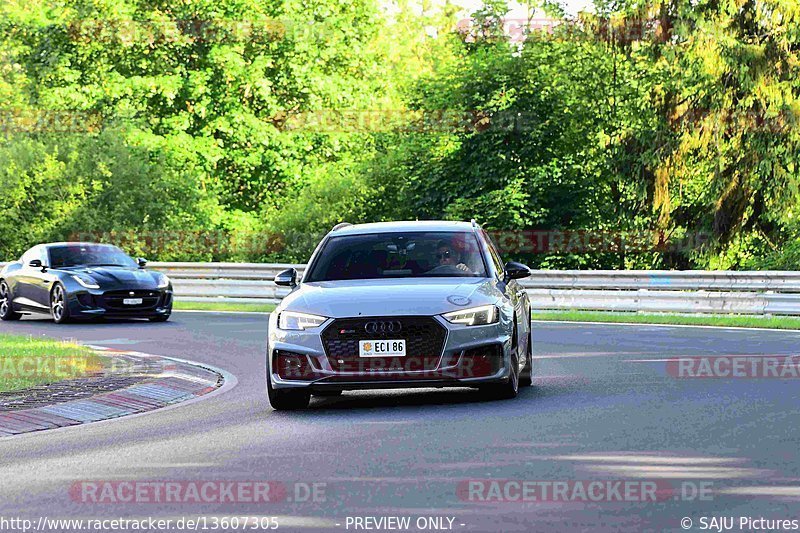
<point x="471" y="356"/>
<point x="96" y="303"/>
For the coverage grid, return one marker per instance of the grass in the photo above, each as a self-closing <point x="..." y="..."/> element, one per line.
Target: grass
<point x="221" y="306"/>
<point x="740" y="321"/>
<point x="28" y="361"/>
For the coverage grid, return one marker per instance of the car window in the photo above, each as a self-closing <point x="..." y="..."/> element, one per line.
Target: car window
<point x="398" y="255"/>
<point x="495" y="255"/>
<point x="90" y="255"/>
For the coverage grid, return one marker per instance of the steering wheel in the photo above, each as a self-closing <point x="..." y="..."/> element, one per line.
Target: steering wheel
<point x="447" y="269"/>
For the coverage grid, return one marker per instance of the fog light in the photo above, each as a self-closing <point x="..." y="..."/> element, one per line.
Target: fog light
<point x="86" y="299"/>
<point x="481" y="362"/>
<point x="294" y="366"/>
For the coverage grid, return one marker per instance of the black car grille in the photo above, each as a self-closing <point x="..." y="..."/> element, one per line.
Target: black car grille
<point x="424" y="338"/>
<point x="114" y="299"/>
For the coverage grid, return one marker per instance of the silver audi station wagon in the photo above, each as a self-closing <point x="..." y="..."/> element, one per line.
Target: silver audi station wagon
<point x="400" y="304"/>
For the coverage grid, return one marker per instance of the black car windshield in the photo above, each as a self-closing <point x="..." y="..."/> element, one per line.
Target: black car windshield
<point x="398" y="255"/>
<point x="88" y="254"/>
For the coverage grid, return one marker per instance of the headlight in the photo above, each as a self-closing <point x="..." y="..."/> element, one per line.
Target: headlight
<point x="163" y="281"/>
<point x="474" y="316"/>
<point x="86" y="281"/>
<point x="290" y="320"/>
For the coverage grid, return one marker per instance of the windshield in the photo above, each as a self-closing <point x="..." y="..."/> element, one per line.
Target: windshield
<point x="89" y="255"/>
<point x="399" y="255"/>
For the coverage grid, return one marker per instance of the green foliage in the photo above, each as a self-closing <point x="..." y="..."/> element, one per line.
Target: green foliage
<point x="220" y="130"/>
<point x="724" y="81"/>
<point x="190" y="99"/>
<point x="71" y="187"/>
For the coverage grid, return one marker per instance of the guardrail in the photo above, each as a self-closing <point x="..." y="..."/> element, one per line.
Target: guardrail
<point x="669" y="291"/>
<point x="226" y="282"/>
<point x="695" y="291"/>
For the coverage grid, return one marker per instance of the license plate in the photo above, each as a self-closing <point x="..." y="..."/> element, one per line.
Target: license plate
<point x="132" y="301"/>
<point x="382" y="348"/>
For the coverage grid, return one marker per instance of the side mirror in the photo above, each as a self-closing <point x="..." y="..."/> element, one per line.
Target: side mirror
<point x="514" y="270"/>
<point x="141" y="261"/>
<point x="37" y="263"/>
<point x="287" y="278"/>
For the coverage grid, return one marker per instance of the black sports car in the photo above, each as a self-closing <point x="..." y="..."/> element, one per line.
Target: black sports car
<point x="83" y="281"/>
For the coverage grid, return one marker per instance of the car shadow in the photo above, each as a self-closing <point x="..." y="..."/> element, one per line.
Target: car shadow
<point x="546" y="393"/>
<point x="96" y="321"/>
<point x="401" y="399"/>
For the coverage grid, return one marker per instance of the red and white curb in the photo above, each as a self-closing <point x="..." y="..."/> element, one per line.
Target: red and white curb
<point x="179" y="381"/>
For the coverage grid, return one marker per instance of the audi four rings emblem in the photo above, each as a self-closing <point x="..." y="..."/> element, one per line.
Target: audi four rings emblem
<point x="383" y="326"/>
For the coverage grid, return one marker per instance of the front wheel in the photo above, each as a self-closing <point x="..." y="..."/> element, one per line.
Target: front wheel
<point x="509" y="389"/>
<point x="58" y="304"/>
<point x="6" y="310"/>
<point x="162" y="318"/>
<point x="526" y="376"/>
<point x="286" y="399"/>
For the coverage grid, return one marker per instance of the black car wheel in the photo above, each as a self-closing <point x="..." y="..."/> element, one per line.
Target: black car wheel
<point x="286" y="399"/>
<point x="526" y="376"/>
<point x="509" y="389"/>
<point x="58" y="304"/>
<point x="162" y="318"/>
<point x="6" y="310"/>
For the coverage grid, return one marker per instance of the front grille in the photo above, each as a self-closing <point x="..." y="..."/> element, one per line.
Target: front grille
<point x="114" y="299"/>
<point x="424" y="338"/>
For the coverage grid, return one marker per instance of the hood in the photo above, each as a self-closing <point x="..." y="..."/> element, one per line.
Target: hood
<point x="118" y="277"/>
<point x="390" y="297"/>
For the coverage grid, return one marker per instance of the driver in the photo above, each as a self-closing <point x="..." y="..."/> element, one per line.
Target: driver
<point x="447" y="256"/>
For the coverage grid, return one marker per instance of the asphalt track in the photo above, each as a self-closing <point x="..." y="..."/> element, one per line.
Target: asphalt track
<point x="603" y="407"/>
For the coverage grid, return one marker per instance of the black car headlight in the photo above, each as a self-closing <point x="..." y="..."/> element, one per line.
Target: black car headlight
<point x="163" y="281"/>
<point x="86" y="282"/>
<point x="474" y="316"/>
<point x="289" y="320"/>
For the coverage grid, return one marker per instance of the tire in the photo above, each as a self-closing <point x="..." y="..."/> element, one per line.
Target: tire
<point x="286" y="399"/>
<point x="58" y="304"/>
<point x="526" y="376"/>
<point x="327" y="393"/>
<point x="162" y="318"/>
<point x="509" y="389"/>
<point x="6" y="309"/>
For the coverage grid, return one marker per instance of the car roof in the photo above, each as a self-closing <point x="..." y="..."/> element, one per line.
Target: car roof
<point x="403" y="226"/>
<point x="50" y="244"/>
